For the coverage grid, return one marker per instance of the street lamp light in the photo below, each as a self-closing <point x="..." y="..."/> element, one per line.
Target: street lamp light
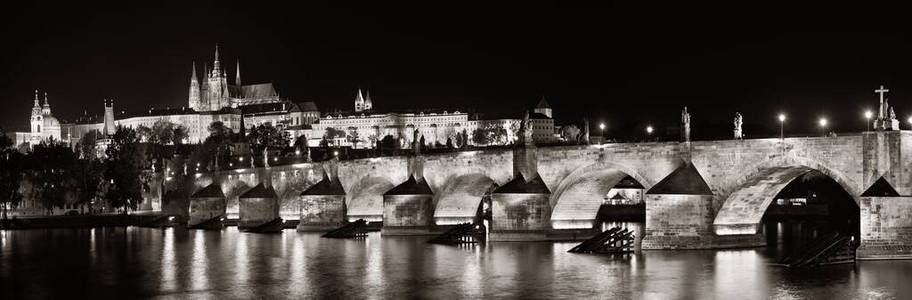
<point x="601" y="132"/>
<point x="868" y="115"/>
<point x="648" y="132"/>
<point x="823" y="124"/>
<point x="782" y="126"/>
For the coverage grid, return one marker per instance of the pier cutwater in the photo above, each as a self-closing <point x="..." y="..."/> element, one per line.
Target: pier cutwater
<point x="512" y="151"/>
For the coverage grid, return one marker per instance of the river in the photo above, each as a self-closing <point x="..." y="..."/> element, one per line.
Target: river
<point x="119" y="263"/>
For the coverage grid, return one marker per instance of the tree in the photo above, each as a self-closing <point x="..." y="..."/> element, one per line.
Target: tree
<point x="162" y="132"/>
<point x="145" y="133"/>
<point x="388" y="144"/>
<point x="88" y="176"/>
<point x="265" y="137"/>
<point x="50" y="166"/>
<point x="179" y="134"/>
<point x="301" y="141"/>
<point x="218" y="129"/>
<point x="489" y="134"/>
<point x="123" y="168"/>
<point x="87" y="144"/>
<point x="570" y="133"/>
<point x="218" y="143"/>
<point x="11" y="167"/>
<point x="352" y="137"/>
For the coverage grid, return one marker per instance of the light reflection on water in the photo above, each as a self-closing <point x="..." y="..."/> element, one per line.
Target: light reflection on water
<point x="180" y="264"/>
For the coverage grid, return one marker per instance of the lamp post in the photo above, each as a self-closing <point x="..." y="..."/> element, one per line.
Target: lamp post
<point x="910" y="120"/>
<point x="868" y="115"/>
<point x="782" y="126"/>
<point x="601" y="132"/>
<point x="823" y="124"/>
<point x="648" y="132"/>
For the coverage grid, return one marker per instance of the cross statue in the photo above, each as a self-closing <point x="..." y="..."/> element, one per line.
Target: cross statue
<point x="881" y="91"/>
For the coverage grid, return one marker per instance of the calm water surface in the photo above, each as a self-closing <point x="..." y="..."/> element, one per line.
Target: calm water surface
<point x="179" y="264"/>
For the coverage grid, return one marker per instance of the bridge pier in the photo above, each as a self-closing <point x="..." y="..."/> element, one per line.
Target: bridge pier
<point x="885" y="207"/>
<point x="322" y="205"/>
<point x="521" y="211"/>
<point x="206" y="204"/>
<point x="408" y="209"/>
<point x="679" y="215"/>
<point x="258" y="206"/>
<point x="886" y="225"/>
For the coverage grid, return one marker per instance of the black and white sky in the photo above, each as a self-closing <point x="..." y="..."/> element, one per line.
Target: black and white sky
<point x="624" y="64"/>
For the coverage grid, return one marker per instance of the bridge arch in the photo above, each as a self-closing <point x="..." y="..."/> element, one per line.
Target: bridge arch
<point x="576" y="200"/>
<point x="752" y="193"/>
<point x="365" y="200"/>
<point x="458" y="200"/>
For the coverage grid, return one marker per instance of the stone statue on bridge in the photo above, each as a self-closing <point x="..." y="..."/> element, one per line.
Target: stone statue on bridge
<point x="416" y="143"/>
<point x="738" y="122"/>
<point x="584" y="138"/>
<point x="886" y="117"/>
<point x="685" y="125"/>
<point x="526" y="130"/>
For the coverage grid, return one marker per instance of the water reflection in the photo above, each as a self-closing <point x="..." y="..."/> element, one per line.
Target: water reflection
<point x="175" y="263"/>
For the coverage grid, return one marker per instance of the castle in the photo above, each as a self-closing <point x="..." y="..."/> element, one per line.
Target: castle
<point x="213" y="98"/>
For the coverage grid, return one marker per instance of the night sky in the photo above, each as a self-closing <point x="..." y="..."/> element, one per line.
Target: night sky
<point x="626" y="65"/>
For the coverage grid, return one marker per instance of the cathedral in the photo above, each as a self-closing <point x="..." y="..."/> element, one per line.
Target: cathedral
<point x="214" y="93"/>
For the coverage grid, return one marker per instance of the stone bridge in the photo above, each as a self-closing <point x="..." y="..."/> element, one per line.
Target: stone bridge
<point x="702" y="194"/>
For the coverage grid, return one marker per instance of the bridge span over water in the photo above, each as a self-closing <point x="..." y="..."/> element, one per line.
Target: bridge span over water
<point x="701" y="194"/>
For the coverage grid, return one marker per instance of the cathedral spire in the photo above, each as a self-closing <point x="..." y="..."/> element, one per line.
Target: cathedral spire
<point x="216" y="66"/>
<point x="37" y="104"/>
<point x="193" y="73"/>
<point x="237" y="80"/>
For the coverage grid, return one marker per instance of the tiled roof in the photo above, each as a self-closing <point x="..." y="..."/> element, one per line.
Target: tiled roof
<point x="262" y="108"/>
<point x="411" y="187"/>
<point x="880" y="188"/>
<point x="519" y="186"/>
<point x="685" y="180"/>
<point x="325" y="187"/>
<point x="259" y="191"/>
<point x="308" y="106"/>
<point x="258" y="91"/>
<point x="211" y="191"/>
<point x="542" y="103"/>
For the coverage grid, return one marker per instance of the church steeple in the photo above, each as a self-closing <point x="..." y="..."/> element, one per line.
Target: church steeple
<point x="46" y="109"/>
<point x="193" y="100"/>
<point x="237" y="79"/>
<point x="216" y="66"/>
<point x="193" y="72"/>
<point x="368" y="104"/>
<point x="37" y="104"/>
<point x="359" y="101"/>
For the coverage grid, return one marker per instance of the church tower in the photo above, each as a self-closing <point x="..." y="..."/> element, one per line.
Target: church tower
<point x="543" y="107"/>
<point x="37" y="118"/>
<point x="109" y="129"/>
<point x="194" y="98"/>
<point x="368" y="104"/>
<point x="46" y="109"/>
<point x="359" y="102"/>
<point x="217" y="85"/>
